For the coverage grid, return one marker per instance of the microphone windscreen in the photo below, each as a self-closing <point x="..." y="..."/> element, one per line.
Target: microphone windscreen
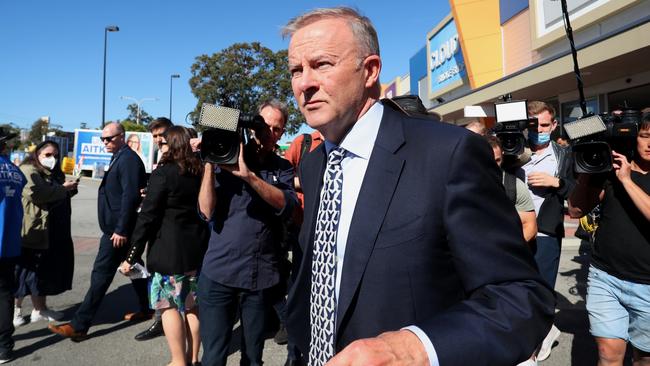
<point x="223" y="118"/>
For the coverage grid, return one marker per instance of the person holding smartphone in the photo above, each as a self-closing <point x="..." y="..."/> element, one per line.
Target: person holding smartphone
<point x="46" y="265"/>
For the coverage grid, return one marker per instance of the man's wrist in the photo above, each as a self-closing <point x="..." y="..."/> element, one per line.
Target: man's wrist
<point x="250" y="178"/>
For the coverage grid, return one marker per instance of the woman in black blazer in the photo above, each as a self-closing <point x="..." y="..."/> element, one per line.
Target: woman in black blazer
<point x="177" y="240"/>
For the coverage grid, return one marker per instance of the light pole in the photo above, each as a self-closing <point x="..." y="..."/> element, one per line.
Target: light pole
<point x="171" y="78"/>
<point x="138" y="102"/>
<point x="110" y="28"/>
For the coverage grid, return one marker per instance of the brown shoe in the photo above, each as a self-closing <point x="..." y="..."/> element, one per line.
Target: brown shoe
<point x="137" y="316"/>
<point x="66" y="330"/>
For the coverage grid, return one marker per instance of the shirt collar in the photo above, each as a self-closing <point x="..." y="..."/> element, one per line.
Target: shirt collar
<point x="361" y="138"/>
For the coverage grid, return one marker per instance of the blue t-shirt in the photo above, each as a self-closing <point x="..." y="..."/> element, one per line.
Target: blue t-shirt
<point x="12" y="181"/>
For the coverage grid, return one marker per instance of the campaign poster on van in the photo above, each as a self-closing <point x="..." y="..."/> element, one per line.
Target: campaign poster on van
<point x="90" y="152"/>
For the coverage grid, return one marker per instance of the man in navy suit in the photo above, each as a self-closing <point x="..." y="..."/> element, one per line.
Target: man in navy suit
<point x="117" y="203"/>
<point x="428" y="265"/>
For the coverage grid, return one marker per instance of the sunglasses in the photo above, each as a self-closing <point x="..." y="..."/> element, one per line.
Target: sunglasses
<point x="109" y="138"/>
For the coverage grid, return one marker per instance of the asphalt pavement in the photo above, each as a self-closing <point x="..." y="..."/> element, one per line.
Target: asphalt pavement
<point x="111" y="338"/>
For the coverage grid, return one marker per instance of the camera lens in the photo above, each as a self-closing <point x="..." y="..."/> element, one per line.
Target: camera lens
<point x="592" y="157"/>
<point x="219" y="146"/>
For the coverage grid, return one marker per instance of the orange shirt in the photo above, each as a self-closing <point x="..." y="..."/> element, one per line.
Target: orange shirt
<point x="293" y="155"/>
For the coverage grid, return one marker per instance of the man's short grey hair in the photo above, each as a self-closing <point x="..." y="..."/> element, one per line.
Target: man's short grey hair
<point x="361" y="26"/>
<point x="275" y="104"/>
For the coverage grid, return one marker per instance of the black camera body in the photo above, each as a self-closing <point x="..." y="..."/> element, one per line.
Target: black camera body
<point x="593" y="138"/>
<point x="511" y="122"/>
<point x="220" y="143"/>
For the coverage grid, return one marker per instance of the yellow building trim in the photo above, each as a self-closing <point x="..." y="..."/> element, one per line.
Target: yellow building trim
<point x="479" y="30"/>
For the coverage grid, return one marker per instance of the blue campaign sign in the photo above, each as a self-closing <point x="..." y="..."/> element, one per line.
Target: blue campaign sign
<point x="446" y="64"/>
<point x="89" y="151"/>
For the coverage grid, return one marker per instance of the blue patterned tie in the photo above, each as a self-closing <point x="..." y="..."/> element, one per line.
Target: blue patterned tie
<point x="322" y="308"/>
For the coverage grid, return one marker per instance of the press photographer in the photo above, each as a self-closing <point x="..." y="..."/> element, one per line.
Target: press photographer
<point x="618" y="290"/>
<point x="245" y="203"/>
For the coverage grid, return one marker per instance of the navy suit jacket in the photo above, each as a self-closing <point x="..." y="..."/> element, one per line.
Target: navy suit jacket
<point x="434" y="242"/>
<point x="119" y="193"/>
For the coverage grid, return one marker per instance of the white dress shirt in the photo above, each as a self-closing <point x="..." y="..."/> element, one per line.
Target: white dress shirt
<point x="358" y="144"/>
<point x="543" y="162"/>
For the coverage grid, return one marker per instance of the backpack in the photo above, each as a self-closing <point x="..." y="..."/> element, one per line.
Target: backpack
<point x="510" y="184"/>
<point x="305" y="147"/>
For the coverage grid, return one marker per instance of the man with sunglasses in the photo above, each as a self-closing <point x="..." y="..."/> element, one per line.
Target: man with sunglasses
<point x="117" y="201"/>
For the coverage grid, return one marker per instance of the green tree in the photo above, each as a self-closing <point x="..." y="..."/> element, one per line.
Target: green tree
<point x="39" y="128"/>
<point x="145" y="118"/>
<point x="241" y="76"/>
<point x="13" y="143"/>
<point x="132" y="126"/>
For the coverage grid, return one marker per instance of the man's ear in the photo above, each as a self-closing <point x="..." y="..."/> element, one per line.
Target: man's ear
<point x="372" y="68"/>
<point x="554" y="125"/>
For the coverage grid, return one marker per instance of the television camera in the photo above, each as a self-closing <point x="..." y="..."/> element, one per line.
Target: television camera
<point x="594" y="137"/>
<point x="227" y="127"/>
<point x="511" y="122"/>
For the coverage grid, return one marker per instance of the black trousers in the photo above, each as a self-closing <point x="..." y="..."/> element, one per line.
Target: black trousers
<point x="106" y="263"/>
<point x="7" y="288"/>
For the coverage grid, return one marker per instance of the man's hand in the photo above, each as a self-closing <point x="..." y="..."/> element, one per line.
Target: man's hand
<point x="622" y="167"/>
<point x="391" y="348"/>
<point x="240" y="169"/>
<point x="539" y="179"/>
<point x="195" y="143"/>
<point x="118" y="240"/>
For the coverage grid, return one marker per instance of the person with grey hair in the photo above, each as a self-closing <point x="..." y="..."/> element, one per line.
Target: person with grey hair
<point x="246" y="204"/>
<point x="390" y="273"/>
<point x="477" y="127"/>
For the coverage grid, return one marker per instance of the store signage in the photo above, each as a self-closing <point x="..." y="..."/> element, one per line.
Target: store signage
<point x="446" y="64"/>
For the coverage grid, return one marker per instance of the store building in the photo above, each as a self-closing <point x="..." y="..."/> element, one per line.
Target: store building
<point x="487" y="48"/>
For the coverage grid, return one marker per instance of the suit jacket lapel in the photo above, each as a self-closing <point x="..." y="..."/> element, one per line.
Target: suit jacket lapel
<point x="379" y="183"/>
<point x="311" y="172"/>
<point x="114" y="158"/>
<point x="313" y="179"/>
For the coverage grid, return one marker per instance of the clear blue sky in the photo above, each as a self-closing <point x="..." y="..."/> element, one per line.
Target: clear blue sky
<point x="51" y="52"/>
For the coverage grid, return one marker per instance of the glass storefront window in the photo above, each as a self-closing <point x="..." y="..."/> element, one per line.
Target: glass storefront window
<point x="571" y="110"/>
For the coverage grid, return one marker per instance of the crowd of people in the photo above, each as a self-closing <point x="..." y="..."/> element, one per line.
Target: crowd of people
<point x="374" y="206"/>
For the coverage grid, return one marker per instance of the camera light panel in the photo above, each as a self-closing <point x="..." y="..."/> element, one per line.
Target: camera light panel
<point x="511" y="111"/>
<point x="223" y="118"/>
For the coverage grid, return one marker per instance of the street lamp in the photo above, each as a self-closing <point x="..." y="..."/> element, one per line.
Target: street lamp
<point x="171" y="78"/>
<point x="110" y="28"/>
<point x="138" y="102"/>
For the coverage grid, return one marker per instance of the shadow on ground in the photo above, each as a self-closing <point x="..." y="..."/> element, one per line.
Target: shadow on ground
<point x="572" y="318"/>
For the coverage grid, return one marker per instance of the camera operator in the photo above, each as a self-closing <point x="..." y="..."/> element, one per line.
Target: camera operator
<point x="245" y="203"/>
<point x="550" y="179"/>
<point x="517" y="193"/>
<point x="618" y="287"/>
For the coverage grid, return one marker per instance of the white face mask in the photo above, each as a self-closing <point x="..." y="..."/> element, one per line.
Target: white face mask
<point x="49" y="163"/>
